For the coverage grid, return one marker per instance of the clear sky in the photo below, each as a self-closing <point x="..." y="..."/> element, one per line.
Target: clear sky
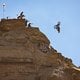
<point x="45" y="14"/>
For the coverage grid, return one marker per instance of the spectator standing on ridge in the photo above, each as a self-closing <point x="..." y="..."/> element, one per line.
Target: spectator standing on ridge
<point x="21" y="15"/>
<point x="29" y="25"/>
<point x="26" y="22"/>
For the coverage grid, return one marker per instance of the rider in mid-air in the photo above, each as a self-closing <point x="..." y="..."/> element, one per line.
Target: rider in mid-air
<point x="57" y="27"/>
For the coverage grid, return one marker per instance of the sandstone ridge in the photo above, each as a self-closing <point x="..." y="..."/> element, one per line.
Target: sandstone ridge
<point x="26" y="54"/>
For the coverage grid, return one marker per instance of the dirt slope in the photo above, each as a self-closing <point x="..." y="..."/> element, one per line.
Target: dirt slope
<point x="26" y="54"/>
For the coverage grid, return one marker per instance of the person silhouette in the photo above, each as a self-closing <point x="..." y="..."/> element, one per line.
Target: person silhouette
<point x="21" y="15"/>
<point x="57" y="27"/>
<point x="29" y="25"/>
<point x="26" y="22"/>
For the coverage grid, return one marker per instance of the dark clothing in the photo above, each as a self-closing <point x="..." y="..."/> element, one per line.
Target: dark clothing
<point x="26" y="21"/>
<point x="21" y="16"/>
<point x="57" y="27"/>
<point x="29" y="25"/>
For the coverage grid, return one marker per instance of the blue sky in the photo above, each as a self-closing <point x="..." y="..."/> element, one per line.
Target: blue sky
<point x="45" y="14"/>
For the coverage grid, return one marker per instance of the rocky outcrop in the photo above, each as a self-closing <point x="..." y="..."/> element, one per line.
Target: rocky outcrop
<point x="26" y="54"/>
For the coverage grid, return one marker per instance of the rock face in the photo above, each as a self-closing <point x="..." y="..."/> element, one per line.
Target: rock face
<point x="26" y="54"/>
